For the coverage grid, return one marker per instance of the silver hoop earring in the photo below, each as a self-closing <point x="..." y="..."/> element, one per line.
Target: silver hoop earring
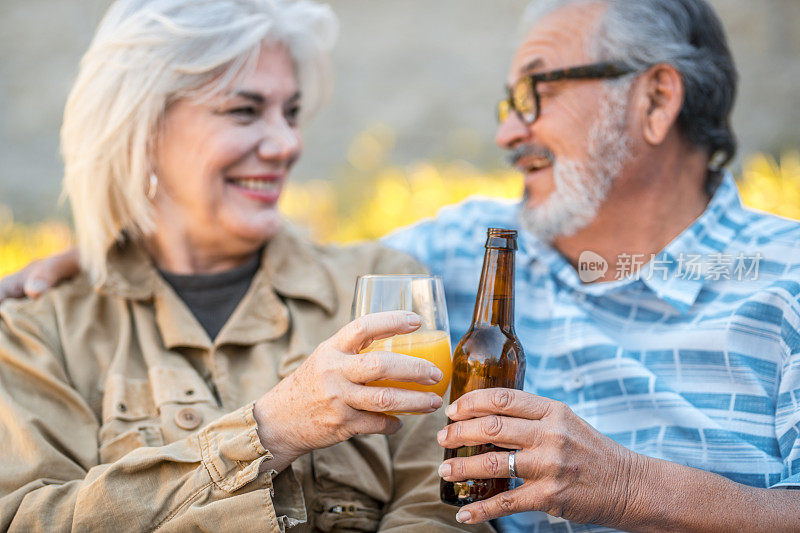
<point x="152" y="186"/>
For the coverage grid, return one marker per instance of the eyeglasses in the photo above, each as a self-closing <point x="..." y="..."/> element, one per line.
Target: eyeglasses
<point x="524" y="98"/>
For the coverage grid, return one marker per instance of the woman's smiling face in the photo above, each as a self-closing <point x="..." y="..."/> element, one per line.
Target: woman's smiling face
<point x="222" y="162"/>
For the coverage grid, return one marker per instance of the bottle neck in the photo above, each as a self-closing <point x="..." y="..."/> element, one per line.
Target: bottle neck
<point x="494" y="305"/>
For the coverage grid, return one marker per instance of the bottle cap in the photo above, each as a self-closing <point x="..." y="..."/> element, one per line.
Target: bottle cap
<point x="504" y="239"/>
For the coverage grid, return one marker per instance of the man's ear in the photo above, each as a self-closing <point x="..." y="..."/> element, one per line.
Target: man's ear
<point x="659" y="99"/>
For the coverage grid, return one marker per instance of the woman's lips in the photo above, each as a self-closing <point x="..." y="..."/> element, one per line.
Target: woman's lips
<point x="263" y="188"/>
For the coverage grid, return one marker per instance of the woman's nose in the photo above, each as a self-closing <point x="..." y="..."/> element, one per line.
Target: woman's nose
<point x="279" y="143"/>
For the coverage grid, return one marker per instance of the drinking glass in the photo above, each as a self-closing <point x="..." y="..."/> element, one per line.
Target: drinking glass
<point x="422" y="295"/>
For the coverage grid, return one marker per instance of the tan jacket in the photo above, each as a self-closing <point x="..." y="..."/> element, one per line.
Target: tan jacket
<point x="118" y="413"/>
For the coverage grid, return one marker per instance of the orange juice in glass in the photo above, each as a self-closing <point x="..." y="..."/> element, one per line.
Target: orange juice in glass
<point x="433" y="346"/>
<point x="422" y="295"/>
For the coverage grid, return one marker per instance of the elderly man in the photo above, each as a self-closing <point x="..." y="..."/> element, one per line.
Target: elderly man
<point x="667" y="397"/>
<point x="660" y="319"/>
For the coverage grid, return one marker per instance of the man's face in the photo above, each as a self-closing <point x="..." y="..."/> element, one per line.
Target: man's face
<point x="573" y="151"/>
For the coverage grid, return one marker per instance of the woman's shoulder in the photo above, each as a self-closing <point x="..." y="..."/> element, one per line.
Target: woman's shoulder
<point x="364" y="257"/>
<point x="47" y="321"/>
<point x="327" y="273"/>
<point x="55" y="309"/>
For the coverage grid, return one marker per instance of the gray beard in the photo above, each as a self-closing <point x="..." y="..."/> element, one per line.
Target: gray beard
<point x="582" y="186"/>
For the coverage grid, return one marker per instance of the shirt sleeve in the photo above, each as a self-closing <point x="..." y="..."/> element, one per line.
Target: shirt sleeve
<point x="51" y="479"/>
<point x="787" y="409"/>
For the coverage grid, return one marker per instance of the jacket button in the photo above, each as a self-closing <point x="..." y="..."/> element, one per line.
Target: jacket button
<point x="188" y="418"/>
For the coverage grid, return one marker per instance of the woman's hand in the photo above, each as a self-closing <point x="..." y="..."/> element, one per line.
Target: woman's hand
<point x="325" y="401"/>
<point x="41" y="275"/>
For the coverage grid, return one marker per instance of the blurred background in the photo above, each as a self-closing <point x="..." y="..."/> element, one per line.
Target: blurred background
<point x="411" y="123"/>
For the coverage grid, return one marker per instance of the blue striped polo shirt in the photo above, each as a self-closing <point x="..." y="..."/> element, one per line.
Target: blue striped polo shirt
<point x="694" y="359"/>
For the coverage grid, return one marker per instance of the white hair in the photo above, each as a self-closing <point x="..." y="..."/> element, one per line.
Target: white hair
<point x="147" y="54"/>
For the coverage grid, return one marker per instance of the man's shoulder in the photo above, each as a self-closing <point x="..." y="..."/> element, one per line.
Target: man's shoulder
<point x="774" y="237"/>
<point x="765" y="249"/>
<point x="479" y="210"/>
<point x="458" y="222"/>
<point x="354" y="258"/>
<point x="766" y="228"/>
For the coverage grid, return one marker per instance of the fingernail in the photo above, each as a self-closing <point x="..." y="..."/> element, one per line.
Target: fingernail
<point x="451" y="410"/>
<point x="463" y="516"/>
<point x="436" y="375"/>
<point x="444" y="470"/>
<point x="36" y="286"/>
<point x="441" y="435"/>
<point x="398" y="425"/>
<point x="414" y="319"/>
<point x="436" y="402"/>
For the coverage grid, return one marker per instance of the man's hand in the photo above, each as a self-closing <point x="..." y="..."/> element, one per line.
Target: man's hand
<point x="569" y="469"/>
<point x="40" y="276"/>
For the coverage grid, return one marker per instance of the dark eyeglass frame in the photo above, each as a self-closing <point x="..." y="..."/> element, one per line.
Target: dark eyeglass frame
<point x="594" y="71"/>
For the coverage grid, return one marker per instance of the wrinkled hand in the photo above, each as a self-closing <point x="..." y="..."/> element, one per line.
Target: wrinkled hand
<point x="325" y="401"/>
<point x="39" y="276"/>
<point x="569" y="469"/>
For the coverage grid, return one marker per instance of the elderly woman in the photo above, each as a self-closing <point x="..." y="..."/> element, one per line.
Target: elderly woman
<point x="198" y="377"/>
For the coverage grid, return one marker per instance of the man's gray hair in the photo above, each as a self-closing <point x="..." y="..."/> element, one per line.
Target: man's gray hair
<point x="686" y="34"/>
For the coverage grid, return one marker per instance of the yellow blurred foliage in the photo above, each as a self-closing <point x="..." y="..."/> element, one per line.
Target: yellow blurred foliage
<point x="19" y="243"/>
<point x="395" y="197"/>
<point x="372" y="197"/>
<point x="772" y="185"/>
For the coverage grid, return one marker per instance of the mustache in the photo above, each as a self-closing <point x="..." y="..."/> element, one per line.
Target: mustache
<point x="529" y="150"/>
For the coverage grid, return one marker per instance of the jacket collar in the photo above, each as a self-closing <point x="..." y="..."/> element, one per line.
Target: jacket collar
<point x="296" y="270"/>
<point x="291" y="268"/>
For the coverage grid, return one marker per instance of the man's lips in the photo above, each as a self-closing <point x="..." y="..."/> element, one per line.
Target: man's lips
<point x="529" y="159"/>
<point x="533" y="164"/>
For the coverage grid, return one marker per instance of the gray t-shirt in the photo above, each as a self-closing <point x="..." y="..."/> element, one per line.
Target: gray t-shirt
<point x="212" y="298"/>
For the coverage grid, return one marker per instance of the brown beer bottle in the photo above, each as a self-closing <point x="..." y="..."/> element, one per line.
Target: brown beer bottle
<point x="489" y="355"/>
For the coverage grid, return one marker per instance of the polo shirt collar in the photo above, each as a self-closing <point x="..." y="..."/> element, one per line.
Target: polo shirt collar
<point x="670" y="276"/>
